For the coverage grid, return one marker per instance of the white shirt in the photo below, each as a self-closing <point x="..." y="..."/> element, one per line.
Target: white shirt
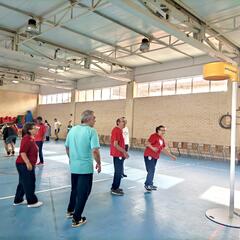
<point x="126" y="135"/>
<point x="57" y="125"/>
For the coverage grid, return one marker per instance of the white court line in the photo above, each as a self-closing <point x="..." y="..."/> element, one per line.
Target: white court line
<point x="54" y="189"/>
<point x="131" y="187"/>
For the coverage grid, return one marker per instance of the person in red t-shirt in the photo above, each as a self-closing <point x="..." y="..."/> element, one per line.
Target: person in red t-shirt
<point x="154" y="146"/>
<point x="119" y="154"/>
<point x="39" y="138"/>
<point x="25" y="164"/>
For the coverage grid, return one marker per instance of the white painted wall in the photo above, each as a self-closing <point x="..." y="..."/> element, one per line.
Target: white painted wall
<point x="169" y="70"/>
<point x="97" y="82"/>
<point x="20" y="87"/>
<point x="45" y="90"/>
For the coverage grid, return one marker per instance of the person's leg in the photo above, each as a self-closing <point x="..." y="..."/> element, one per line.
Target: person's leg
<point x="73" y="195"/>
<point x="41" y="152"/>
<point x="58" y="130"/>
<point x="118" y="169"/>
<point x="47" y="138"/>
<point x="40" y="146"/>
<point x="123" y="173"/>
<point x="28" y="182"/>
<point x="84" y="186"/>
<point x="20" y="191"/>
<point x="56" y="134"/>
<point x="5" y="146"/>
<point x="154" y="167"/>
<point x="150" y="167"/>
<point x="13" y="145"/>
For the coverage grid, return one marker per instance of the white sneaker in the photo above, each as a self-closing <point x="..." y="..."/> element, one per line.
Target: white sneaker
<point x="35" y="205"/>
<point x="21" y="203"/>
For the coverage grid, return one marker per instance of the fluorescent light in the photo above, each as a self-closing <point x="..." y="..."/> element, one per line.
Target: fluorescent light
<point x="15" y="81"/>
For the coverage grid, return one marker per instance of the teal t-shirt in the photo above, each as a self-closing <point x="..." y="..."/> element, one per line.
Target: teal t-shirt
<point x="81" y="140"/>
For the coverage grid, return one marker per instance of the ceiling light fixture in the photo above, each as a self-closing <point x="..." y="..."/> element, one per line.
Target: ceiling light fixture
<point x="145" y="45"/>
<point x="15" y="81"/>
<point x="59" y="69"/>
<point x="32" y="26"/>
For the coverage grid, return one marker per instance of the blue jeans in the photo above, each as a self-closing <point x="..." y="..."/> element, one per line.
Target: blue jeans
<point x="26" y="185"/>
<point x="118" y="171"/>
<point x="40" y="147"/>
<point x="81" y="188"/>
<point x="150" y="167"/>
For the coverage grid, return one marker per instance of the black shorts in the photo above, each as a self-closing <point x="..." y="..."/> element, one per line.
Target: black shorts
<point x="57" y="130"/>
<point x="11" y="139"/>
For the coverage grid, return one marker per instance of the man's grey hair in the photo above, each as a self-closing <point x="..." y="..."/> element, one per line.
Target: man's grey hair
<point x="86" y="115"/>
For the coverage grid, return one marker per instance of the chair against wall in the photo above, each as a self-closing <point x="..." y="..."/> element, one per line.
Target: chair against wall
<point x="107" y="140"/>
<point x="219" y="152"/>
<point x="184" y="148"/>
<point x="207" y="151"/>
<point x="143" y="142"/>
<point x="195" y="149"/>
<point x="174" y="147"/>
<point x="134" y="142"/>
<point x="101" y="139"/>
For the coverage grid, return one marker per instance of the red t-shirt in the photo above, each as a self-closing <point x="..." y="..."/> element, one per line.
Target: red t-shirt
<point x="41" y="132"/>
<point x="156" y="141"/>
<point x="117" y="135"/>
<point x="29" y="147"/>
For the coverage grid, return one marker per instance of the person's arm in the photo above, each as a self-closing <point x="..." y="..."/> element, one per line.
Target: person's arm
<point x="148" y="144"/>
<point x="120" y="149"/>
<point x="67" y="147"/>
<point x="167" y="152"/>
<point x="67" y="151"/>
<point x="26" y="161"/>
<point x="24" y="149"/>
<point x="97" y="158"/>
<point x="95" y="145"/>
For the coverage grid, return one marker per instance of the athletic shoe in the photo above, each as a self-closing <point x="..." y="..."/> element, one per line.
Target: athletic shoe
<point x="148" y="188"/>
<point x="78" y="223"/>
<point x="154" y="188"/>
<point x="21" y="203"/>
<point x="69" y="214"/>
<point x="40" y="163"/>
<point x="8" y="153"/>
<point x="13" y="153"/>
<point x="124" y="175"/>
<point x="35" y="205"/>
<point x="120" y="189"/>
<point x="118" y="192"/>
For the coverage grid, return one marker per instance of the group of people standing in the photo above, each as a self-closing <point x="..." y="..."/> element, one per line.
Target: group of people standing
<point x="82" y="146"/>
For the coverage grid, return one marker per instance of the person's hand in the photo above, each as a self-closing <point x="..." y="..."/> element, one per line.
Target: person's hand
<point x="173" y="157"/>
<point x="98" y="167"/>
<point x="29" y="166"/>
<point x="125" y="154"/>
<point x="155" y="149"/>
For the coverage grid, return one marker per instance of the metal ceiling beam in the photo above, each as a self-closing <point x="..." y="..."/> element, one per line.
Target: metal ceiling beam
<point x="75" y="52"/>
<point x="42" y="61"/>
<point x="61" y="25"/>
<point x="164" y="25"/>
<point x="106" y="43"/>
<point x="100" y="57"/>
<point x="149" y="36"/>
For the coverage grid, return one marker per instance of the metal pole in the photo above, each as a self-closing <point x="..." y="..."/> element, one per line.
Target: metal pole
<point x="233" y="148"/>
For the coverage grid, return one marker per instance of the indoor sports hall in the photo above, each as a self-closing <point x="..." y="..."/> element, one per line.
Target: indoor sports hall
<point x="119" y="120"/>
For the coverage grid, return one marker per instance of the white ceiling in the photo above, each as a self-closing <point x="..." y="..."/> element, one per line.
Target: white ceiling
<point x="108" y="34"/>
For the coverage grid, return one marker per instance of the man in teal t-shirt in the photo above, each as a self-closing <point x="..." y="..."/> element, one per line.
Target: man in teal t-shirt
<point x="82" y="145"/>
